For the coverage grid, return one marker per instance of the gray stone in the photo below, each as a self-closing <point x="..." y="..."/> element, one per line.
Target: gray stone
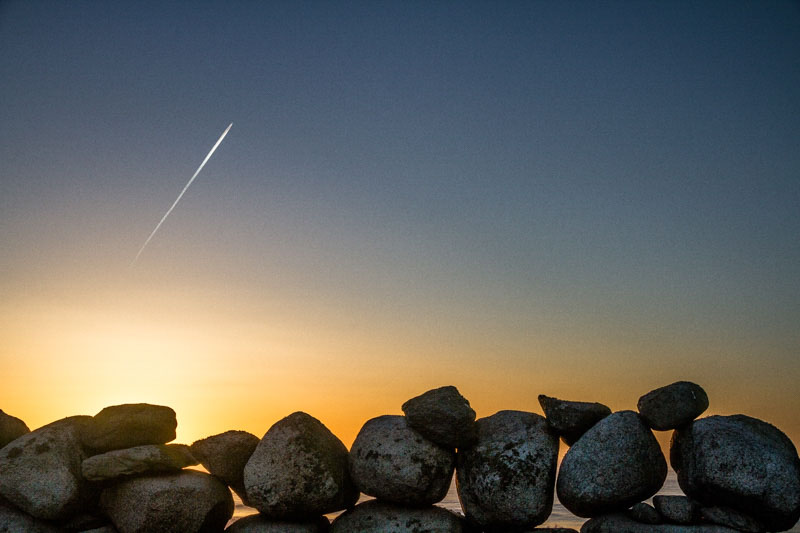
<point x="12" y="520"/>
<point x="505" y="480"/>
<point x="11" y="428"/>
<point x="394" y="463"/>
<point x="644" y="513"/>
<point x="615" y="464"/>
<point x="299" y="469"/>
<point x="185" y="502"/>
<point x="622" y="523"/>
<point x="145" y="459"/>
<point x="258" y="523"/>
<point x="443" y="416"/>
<point x="375" y="516"/>
<point x="677" y="509"/>
<point x="41" y="470"/>
<point x="225" y="455"/>
<point x="725" y="516"/>
<point x="739" y="462"/>
<point x="673" y="406"/>
<point x="129" y="425"/>
<point x="569" y="419"/>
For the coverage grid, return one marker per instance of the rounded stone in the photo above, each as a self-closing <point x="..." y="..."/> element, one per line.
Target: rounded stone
<point x="258" y="523"/>
<point x="571" y="419"/>
<point x="505" y="480"/>
<point x="11" y="428"/>
<point x="443" y="416"/>
<point x="375" y="516"/>
<point x="676" y="509"/>
<point x="644" y="513"/>
<point x="225" y="456"/>
<point x="129" y="425"/>
<point x="392" y="462"/>
<point x="145" y="459"/>
<point x="672" y="406"/>
<point x="614" y="465"/>
<point x="622" y="523"/>
<point x="299" y="469"/>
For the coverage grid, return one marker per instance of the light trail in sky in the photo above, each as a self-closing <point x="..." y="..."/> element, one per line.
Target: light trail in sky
<point x="178" y="199"/>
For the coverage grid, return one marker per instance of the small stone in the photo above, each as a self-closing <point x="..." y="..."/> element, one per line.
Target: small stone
<point x="258" y="523"/>
<point x="443" y="416"/>
<point x="11" y="428"/>
<point x="145" y="459"/>
<point x="375" y="516"/>
<point x="725" y="516"/>
<point x="394" y="463"/>
<point x="225" y="456"/>
<point x="622" y="523"/>
<point x="569" y="419"/>
<point x="677" y="509"/>
<point x="129" y="425"/>
<point x="644" y="514"/>
<point x="673" y="406"/>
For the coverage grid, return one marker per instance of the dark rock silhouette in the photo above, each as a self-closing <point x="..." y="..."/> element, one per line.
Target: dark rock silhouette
<point x="258" y="523"/>
<point x="225" y="456"/>
<point x="622" y="523"/>
<point x="145" y="459"/>
<point x="569" y="419"/>
<point x="644" y="513"/>
<point x="11" y="428"/>
<point x="726" y="516"/>
<point x="672" y="406"/>
<point x="443" y="416"/>
<point x="677" y="509"/>
<point x="129" y="425"/>
<point x="383" y="517"/>
<point x="14" y="520"/>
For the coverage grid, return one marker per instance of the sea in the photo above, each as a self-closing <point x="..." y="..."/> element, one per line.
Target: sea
<point x="560" y="516"/>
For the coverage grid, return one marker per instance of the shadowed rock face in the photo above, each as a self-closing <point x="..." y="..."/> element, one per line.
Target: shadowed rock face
<point x="570" y="420"/>
<point x="129" y="425"/>
<point x="740" y="462"/>
<point x="11" y="428"/>
<point x="621" y="523"/>
<point x="676" y="509"/>
<point x="382" y="517"/>
<point x="225" y="456"/>
<point x="14" y="520"/>
<point x="443" y="416"/>
<point x="673" y="406"/>
<point x="258" y="523"/>
<point x="614" y="465"/>
<point x="146" y="459"/>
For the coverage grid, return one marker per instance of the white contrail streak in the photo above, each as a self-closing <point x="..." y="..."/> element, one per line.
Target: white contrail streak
<point x="178" y="199"/>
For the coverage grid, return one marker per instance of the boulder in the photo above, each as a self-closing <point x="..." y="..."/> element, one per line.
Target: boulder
<point x="145" y="459"/>
<point x="622" y="523"/>
<point x="41" y="470"/>
<point x="726" y="516"/>
<point x="612" y="466"/>
<point x="185" y="502"/>
<point x="299" y="469"/>
<point x="12" y="520"/>
<point x="505" y="480"/>
<point x="677" y="509"/>
<point x="225" y="455"/>
<point x="739" y="462"/>
<point x="552" y="530"/>
<point x="394" y="463"/>
<point x="569" y="419"/>
<point x="258" y="523"/>
<point x="672" y="406"/>
<point x="129" y="425"/>
<point x="11" y="428"/>
<point x="644" y="513"/>
<point x="375" y="516"/>
<point x="443" y="416"/>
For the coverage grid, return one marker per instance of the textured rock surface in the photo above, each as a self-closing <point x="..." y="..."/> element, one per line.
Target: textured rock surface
<point x="569" y="419"/>
<point x="676" y="509"/>
<point x="443" y="416"/>
<point x="261" y="524"/>
<point x="40" y="472"/>
<point x="129" y="425"/>
<point x="725" y="516"/>
<point x="505" y="480"/>
<point x="739" y="462"/>
<point x="145" y="459"/>
<point x="392" y="462"/>
<point x="622" y="523"/>
<point x="225" y="455"/>
<point x="673" y="406"/>
<point x="185" y="502"/>
<point x="13" y="520"/>
<point x="299" y="469"/>
<point x="615" y="464"/>
<point x="644" y="513"/>
<point x="11" y="428"/>
<point x="382" y="517"/>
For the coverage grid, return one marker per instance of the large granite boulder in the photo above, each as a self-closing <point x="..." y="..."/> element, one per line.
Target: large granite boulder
<point x="570" y="419"/>
<point x="612" y="466"/>
<point x="185" y="502"/>
<point x="443" y="416"/>
<point x="259" y="523"/>
<point x="11" y="428"/>
<point x="394" y="463"/>
<point x="129" y="425"/>
<point x="672" y="406"/>
<point x="375" y="516"/>
<point x="622" y="523"/>
<point x="225" y="455"/>
<point x="12" y="520"/>
<point x="40" y="472"/>
<point x="739" y="462"/>
<point x="505" y="480"/>
<point x="299" y="469"/>
<point x="677" y="509"/>
<point x="145" y="459"/>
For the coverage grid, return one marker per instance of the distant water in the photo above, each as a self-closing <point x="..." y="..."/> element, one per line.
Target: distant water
<point x="560" y="517"/>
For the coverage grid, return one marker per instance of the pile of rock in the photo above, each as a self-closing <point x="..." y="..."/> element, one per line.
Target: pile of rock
<point x="115" y="472"/>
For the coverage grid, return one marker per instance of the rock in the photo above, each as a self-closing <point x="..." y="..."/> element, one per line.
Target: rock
<point x="570" y="420"/>
<point x="129" y="425"/>
<point x="185" y="502"/>
<point x="394" y="463"/>
<point x="739" y="462"/>
<point x="673" y="406"/>
<point x="505" y="480"/>
<point x="85" y="520"/>
<point x="725" y="516"/>
<point x="615" y="464"/>
<point x="375" y="516"/>
<point x="676" y="509"/>
<point x="145" y="459"/>
<point x="104" y="529"/>
<point x="11" y="428"/>
<point x="41" y="470"/>
<point x="299" y="469"/>
<point x="225" y="455"/>
<point x="644" y="514"/>
<point x="12" y="520"/>
<point x="443" y="416"/>
<point x="552" y="530"/>
<point x="622" y="523"/>
<point x="258" y="523"/>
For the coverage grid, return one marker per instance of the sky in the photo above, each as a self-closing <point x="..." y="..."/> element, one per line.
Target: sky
<point x="587" y="200"/>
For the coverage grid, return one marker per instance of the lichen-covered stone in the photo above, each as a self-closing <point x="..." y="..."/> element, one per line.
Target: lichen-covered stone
<point x="622" y="523"/>
<point x="394" y="463"/>
<point x="145" y="459"/>
<point x="571" y="419"/>
<point x="676" y="509"/>
<point x="225" y="456"/>
<point x="443" y="416"/>
<point x="673" y="406"/>
<point x="258" y="523"/>
<point x="11" y="428"/>
<point x="505" y="480"/>
<point x="383" y="517"/>
<point x="129" y="425"/>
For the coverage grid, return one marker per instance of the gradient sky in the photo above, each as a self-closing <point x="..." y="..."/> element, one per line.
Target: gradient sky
<point x="582" y="199"/>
